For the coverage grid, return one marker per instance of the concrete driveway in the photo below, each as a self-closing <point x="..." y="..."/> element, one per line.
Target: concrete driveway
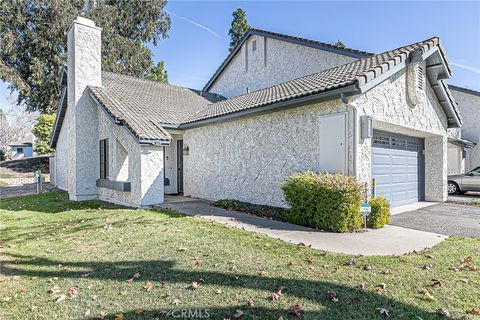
<point x="445" y="218"/>
<point x="467" y="197"/>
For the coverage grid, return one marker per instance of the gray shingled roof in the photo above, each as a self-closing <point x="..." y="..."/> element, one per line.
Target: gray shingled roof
<point x="144" y="105"/>
<point x="357" y="73"/>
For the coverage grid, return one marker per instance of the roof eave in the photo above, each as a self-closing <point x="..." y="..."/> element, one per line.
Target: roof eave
<point x="276" y="106"/>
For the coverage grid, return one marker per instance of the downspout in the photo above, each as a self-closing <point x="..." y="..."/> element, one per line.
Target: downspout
<point x="345" y="100"/>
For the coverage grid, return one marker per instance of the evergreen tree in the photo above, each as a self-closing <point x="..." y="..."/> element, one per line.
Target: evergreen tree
<point x="238" y="27"/>
<point x="33" y="36"/>
<point x="42" y="131"/>
<point x="158" y="73"/>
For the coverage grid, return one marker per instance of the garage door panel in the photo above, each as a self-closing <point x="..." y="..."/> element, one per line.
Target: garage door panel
<point x="395" y="167"/>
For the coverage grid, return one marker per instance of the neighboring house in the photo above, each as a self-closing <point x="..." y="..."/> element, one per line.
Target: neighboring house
<point x="464" y="142"/>
<point x="277" y="105"/>
<point x="22" y="148"/>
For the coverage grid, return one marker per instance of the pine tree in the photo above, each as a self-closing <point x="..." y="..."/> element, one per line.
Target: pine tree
<point x="238" y="27"/>
<point x="158" y="73"/>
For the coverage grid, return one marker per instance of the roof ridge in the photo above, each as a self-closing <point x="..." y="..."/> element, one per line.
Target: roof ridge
<point x="156" y="82"/>
<point x="311" y="40"/>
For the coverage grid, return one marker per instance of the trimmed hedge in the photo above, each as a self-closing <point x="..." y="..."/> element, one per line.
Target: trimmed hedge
<point x="255" y="209"/>
<point x="325" y="201"/>
<point x="380" y="212"/>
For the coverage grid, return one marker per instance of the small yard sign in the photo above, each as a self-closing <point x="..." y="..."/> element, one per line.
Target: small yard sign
<point x="365" y="209"/>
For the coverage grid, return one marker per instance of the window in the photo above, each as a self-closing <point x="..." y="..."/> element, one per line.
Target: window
<point x="104" y="159"/>
<point x="19" y="150"/>
<point x="254" y="45"/>
<point x="381" y="140"/>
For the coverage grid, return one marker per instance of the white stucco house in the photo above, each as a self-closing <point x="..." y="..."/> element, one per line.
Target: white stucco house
<point x="464" y="143"/>
<point x="277" y="105"/>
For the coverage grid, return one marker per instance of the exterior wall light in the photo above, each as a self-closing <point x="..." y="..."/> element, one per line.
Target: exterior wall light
<point x="186" y="149"/>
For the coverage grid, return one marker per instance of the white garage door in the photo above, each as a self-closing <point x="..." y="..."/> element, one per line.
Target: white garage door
<point x="397" y="167"/>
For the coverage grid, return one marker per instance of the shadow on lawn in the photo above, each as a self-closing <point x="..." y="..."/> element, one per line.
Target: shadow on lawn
<point x="354" y="303"/>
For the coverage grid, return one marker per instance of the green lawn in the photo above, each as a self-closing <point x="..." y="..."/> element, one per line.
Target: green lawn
<point x="104" y="260"/>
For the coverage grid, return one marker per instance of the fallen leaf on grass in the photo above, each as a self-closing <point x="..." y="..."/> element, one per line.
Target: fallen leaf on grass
<point x="250" y="302"/>
<point x="436" y="282"/>
<point x="332" y="296"/>
<point x="33" y="308"/>
<point x="427" y="266"/>
<point x="380" y="286"/>
<point x="296" y="310"/>
<point x="442" y="312"/>
<point x="383" y="311"/>
<point x="385" y="272"/>
<point x="181" y="249"/>
<point x="361" y="286"/>
<point x="275" y="296"/>
<point x="464" y="317"/>
<point x="5" y="299"/>
<point x="352" y="262"/>
<point x="475" y="311"/>
<point x="60" y="298"/>
<point x="148" y="286"/>
<point x="55" y="290"/>
<point x="119" y="316"/>
<point x="309" y="259"/>
<point x="218" y="291"/>
<point x="195" y="285"/>
<point x="238" y="314"/>
<point x="72" y="293"/>
<point x="176" y="302"/>
<point x="102" y="315"/>
<point x="428" y="297"/>
<point x="136" y="275"/>
<point x="138" y="311"/>
<point x="366" y="267"/>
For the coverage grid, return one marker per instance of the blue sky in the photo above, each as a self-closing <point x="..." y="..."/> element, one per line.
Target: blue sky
<point x="198" y="40"/>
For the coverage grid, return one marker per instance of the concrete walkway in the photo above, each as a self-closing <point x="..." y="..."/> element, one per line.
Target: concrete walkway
<point x="390" y="240"/>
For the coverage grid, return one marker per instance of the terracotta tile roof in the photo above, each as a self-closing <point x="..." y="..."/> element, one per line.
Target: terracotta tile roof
<point x="144" y="105"/>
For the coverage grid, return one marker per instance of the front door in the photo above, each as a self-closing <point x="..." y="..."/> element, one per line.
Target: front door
<point x="180" y="166"/>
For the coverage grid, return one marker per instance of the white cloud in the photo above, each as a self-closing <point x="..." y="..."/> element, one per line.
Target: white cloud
<point x="464" y="66"/>
<point x="201" y="26"/>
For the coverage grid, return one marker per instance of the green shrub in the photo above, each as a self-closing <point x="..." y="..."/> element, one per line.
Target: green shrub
<point x="256" y="209"/>
<point x="380" y="212"/>
<point x="324" y="201"/>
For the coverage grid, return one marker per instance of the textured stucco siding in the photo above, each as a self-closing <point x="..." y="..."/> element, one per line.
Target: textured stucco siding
<point x="84" y="68"/>
<point x="436" y="168"/>
<point x="284" y="61"/>
<point x="118" y="134"/>
<point x="469" y="106"/>
<point x="62" y="151"/>
<point x="247" y="158"/>
<point x="392" y="111"/>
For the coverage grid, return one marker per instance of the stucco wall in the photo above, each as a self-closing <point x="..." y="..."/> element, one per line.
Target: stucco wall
<point x="389" y="105"/>
<point x="284" y="61"/>
<point x="84" y="68"/>
<point x="469" y="106"/>
<point x="62" y="154"/>
<point x="118" y="134"/>
<point x="247" y="158"/>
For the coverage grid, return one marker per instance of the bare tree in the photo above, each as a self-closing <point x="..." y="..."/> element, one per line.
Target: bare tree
<point x="15" y="124"/>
